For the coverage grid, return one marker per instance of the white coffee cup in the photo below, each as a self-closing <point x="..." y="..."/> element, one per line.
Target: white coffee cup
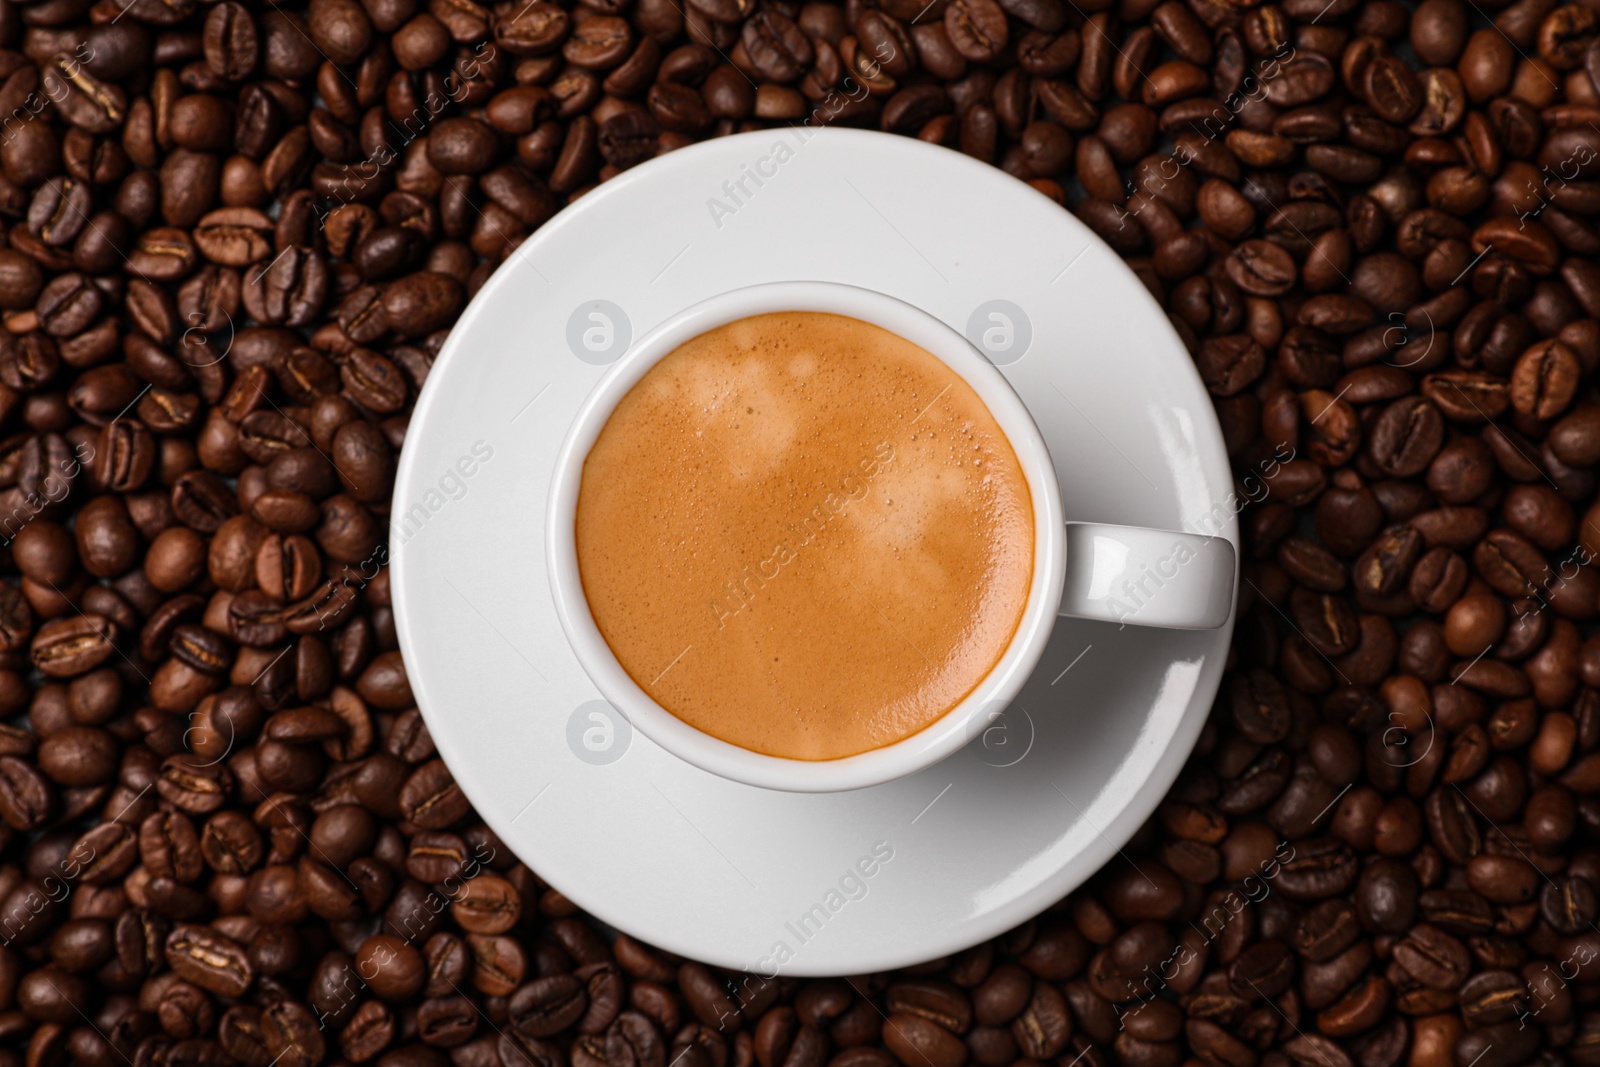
<point x="1123" y="574"/>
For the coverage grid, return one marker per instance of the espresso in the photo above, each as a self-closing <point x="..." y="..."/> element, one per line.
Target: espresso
<point x="804" y="535"/>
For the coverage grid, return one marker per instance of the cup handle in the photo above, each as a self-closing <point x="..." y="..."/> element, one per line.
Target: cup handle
<point x="1130" y="574"/>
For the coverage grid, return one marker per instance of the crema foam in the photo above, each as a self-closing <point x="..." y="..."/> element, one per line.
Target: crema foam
<point x="805" y="535"/>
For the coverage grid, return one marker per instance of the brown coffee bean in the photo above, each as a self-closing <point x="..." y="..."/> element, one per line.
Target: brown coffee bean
<point x="395" y="967"/>
<point x="431" y="798"/>
<point x="1503" y="879"/>
<point x="914" y="1039"/>
<point x="26" y="799"/>
<point x="546" y="1006"/>
<point x="1261" y="269"/>
<point x="1406" y="437"/>
<point x="977" y="28"/>
<point x="209" y="960"/>
<point x="1433" y="957"/>
<point x="1544" y="380"/>
<point x="65" y="648"/>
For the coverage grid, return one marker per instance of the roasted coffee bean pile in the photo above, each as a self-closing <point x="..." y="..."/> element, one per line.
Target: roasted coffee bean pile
<point x="235" y="236"/>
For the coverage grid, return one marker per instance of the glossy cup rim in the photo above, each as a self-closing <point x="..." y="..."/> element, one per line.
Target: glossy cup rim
<point x="934" y="742"/>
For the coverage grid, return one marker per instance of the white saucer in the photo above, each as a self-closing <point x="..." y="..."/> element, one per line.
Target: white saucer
<point x="729" y="874"/>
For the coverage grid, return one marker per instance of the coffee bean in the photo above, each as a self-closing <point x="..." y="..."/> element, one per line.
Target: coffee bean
<point x="289" y="290"/>
<point x="1492" y="997"/>
<point x="1264" y="970"/>
<point x="1433" y="957"/>
<point x="1320" y="869"/>
<point x="1326" y="930"/>
<point x="547" y="1006"/>
<point x="394" y="968"/>
<point x="1043" y="1027"/>
<point x="209" y="960"/>
<point x="1515" y="1045"/>
<point x="1261" y="268"/>
<point x="66" y="648"/>
<point x="914" y="1039"/>
<point x="1259" y="708"/>
<point x="231" y="41"/>
<point x="78" y="756"/>
<point x="1214" y="1044"/>
<point x="977" y="28"/>
<point x="26" y="799"/>
<point x="1503" y="879"/>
